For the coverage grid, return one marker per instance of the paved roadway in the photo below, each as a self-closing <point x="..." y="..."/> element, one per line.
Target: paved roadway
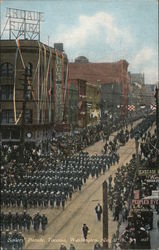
<point x="66" y="226"/>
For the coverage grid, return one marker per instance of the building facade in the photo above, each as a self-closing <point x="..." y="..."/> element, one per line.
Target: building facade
<point x="115" y="75"/>
<point x="83" y="103"/>
<point x="82" y="108"/>
<point x="72" y="104"/>
<point x="32" y="82"/>
<point x="137" y="89"/>
<point x="149" y="94"/>
<point x="111" y="96"/>
<point x="137" y="78"/>
<point x="92" y="104"/>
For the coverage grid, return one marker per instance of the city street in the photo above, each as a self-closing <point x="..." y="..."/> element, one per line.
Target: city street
<point x="66" y="226"/>
<point x="79" y="139"/>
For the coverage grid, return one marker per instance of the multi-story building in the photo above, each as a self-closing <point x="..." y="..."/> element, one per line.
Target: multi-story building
<point x="149" y="94"/>
<point x="77" y="108"/>
<point x="111" y="96"/>
<point x="115" y="75"/>
<point x="32" y="87"/>
<point x="83" y="103"/>
<point x="136" y="90"/>
<point x="137" y="78"/>
<point x="92" y="103"/>
<point x="72" y="104"/>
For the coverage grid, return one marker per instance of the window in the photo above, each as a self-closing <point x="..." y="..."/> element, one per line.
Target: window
<point x="29" y="68"/>
<point x="40" y="87"/>
<point x="28" y="116"/>
<point x="6" y="69"/>
<point x="28" y="95"/>
<point x="6" y="92"/>
<point x="10" y="134"/>
<point x="15" y="134"/>
<point x="7" y="117"/>
<point x="6" y="134"/>
<point x="46" y="115"/>
<point x="40" y="117"/>
<point x="52" y="115"/>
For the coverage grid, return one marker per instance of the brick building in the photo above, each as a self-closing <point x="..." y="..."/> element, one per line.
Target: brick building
<point x="92" y="103"/>
<point x="76" y="109"/>
<point x="72" y="104"/>
<point x="36" y="73"/>
<point x="114" y="75"/>
<point x="83" y="103"/>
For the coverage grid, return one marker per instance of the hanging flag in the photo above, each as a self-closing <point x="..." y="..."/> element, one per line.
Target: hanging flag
<point x="153" y="106"/>
<point x="131" y="107"/>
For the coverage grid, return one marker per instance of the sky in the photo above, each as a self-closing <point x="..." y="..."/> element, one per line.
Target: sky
<point x="101" y="30"/>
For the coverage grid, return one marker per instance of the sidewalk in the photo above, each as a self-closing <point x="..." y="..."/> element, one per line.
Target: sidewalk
<point x="154" y="233"/>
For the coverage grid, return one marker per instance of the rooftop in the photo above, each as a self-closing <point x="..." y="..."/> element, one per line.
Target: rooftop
<point x="98" y="73"/>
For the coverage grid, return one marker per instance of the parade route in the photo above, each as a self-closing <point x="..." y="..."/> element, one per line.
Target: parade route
<point x="79" y="139"/>
<point x="66" y="226"/>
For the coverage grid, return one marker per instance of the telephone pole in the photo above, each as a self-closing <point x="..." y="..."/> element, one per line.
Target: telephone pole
<point x="137" y="151"/>
<point x="105" y="216"/>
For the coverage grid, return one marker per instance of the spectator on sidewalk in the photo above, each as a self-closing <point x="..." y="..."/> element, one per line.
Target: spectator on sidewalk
<point x="72" y="247"/>
<point x="97" y="246"/>
<point x="63" y="247"/>
<point x="124" y="213"/>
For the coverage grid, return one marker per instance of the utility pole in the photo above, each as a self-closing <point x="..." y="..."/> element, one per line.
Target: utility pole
<point x="105" y="216"/>
<point x="23" y="114"/>
<point x="137" y="151"/>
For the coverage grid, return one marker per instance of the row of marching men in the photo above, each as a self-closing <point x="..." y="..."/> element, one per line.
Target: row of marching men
<point x="22" y="221"/>
<point x="53" y="186"/>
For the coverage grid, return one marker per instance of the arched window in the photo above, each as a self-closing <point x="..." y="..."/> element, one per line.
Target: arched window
<point x="6" y="69"/>
<point x="29" y="68"/>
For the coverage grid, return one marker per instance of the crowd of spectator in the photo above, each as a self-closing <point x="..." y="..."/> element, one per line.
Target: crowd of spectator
<point x="136" y="211"/>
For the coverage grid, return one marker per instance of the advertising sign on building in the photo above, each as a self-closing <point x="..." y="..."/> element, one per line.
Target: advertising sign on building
<point x="58" y="69"/>
<point x="146" y="202"/>
<point x="23" y="24"/>
<point x="148" y="172"/>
